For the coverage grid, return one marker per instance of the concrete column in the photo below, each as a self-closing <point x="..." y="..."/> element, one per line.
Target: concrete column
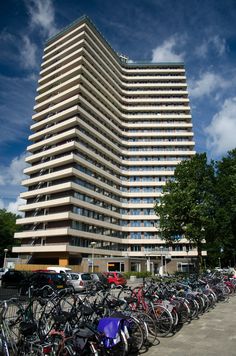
<point x="148" y="264"/>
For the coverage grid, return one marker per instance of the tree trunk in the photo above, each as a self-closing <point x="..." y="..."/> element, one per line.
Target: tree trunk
<point x="199" y="258"/>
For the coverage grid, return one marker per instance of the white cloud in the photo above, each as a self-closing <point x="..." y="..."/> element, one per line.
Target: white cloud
<point x="13" y="174"/>
<point x="6" y="36"/>
<point x="220" y="44"/>
<point x="215" y="43"/>
<point x="18" y="49"/>
<point x="222" y="129"/>
<point x="10" y="188"/>
<point x="42" y="16"/>
<point x="167" y="52"/>
<point x="28" y="53"/>
<point x="15" y="171"/>
<point x="207" y="84"/>
<point x="13" y="206"/>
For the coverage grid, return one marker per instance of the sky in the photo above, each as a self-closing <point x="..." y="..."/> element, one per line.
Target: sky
<point x="200" y="33"/>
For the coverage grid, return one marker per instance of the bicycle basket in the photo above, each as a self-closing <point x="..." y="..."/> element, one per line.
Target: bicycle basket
<point x="110" y="327"/>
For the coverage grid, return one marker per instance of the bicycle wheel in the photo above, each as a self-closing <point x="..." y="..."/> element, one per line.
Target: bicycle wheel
<point x="164" y="320"/>
<point x="136" y="337"/>
<point x="176" y="319"/>
<point x="201" y="304"/>
<point x="206" y="303"/>
<point x="226" y="293"/>
<point x="193" y="308"/>
<point x="212" y="300"/>
<point x="149" y="327"/>
<point x="45" y="318"/>
<point x="124" y="293"/>
<point x="13" y="317"/>
<point x="184" y="312"/>
<point x="130" y="299"/>
<point x="5" y="347"/>
<point x="27" y="348"/>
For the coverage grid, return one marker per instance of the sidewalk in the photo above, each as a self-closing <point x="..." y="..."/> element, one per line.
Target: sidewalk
<point x="213" y="334"/>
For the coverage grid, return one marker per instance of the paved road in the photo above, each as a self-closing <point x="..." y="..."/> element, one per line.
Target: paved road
<point x="214" y="334"/>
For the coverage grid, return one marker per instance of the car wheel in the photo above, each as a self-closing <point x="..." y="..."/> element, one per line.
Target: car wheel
<point x="113" y="285"/>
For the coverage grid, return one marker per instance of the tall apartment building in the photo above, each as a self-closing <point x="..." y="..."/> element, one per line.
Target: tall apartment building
<point x="106" y="136"/>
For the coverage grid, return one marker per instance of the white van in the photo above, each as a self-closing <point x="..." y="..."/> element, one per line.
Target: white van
<point x="59" y="269"/>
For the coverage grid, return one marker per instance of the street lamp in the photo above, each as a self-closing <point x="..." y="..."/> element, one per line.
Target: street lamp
<point x="92" y="244"/>
<point x="161" y="268"/>
<point x="187" y="251"/>
<point x="5" y="258"/>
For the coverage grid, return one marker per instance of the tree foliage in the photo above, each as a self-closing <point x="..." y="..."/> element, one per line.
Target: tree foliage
<point x="188" y="206"/>
<point x="226" y="207"/>
<point x="7" y="229"/>
<point x="200" y="203"/>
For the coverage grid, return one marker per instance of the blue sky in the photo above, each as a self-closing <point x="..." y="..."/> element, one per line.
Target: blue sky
<point x="201" y="33"/>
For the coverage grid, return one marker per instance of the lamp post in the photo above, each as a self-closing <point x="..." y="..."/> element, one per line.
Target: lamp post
<point x="5" y="258"/>
<point x="200" y="258"/>
<point x="92" y="244"/>
<point x="165" y="270"/>
<point x="187" y="251"/>
<point x="161" y="268"/>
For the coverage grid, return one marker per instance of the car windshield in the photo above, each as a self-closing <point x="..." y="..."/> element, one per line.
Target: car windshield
<point x="74" y="277"/>
<point x="60" y="276"/>
<point x="86" y="277"/>
<point x="95" y="276"/>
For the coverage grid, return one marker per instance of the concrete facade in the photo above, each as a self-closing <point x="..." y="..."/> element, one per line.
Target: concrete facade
<point x="107" y="135"/>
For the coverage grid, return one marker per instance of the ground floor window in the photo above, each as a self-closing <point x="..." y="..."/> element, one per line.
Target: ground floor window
<point x="185" y="267"/>
<point x="115" y="266"/>
<point x="135" y="267"/>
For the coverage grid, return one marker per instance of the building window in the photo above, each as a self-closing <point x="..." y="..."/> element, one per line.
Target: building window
<point x="115" y="266"/>
<point x="185" y="267"/>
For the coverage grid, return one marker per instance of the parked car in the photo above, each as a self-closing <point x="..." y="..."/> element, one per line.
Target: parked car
<point x="100" y="277"/>
<point x="59" y="269"/>
<point x="13" y="278"/>
<point x="115" y="279"/>
<point x="79" y="281"/>
<point x="41" y="278"/>
<point x="37" y="279"/>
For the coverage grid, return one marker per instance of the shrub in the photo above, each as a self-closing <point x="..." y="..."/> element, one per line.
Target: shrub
<point x="137" y="274"/>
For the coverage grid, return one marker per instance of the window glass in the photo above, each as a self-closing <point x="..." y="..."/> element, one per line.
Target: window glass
<point x="86" y="277"/>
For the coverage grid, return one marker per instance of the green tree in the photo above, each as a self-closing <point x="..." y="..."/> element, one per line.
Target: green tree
<point x="187" y="207"/>
<point x="7" y="229"/>
<point x="226" y="207"/>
